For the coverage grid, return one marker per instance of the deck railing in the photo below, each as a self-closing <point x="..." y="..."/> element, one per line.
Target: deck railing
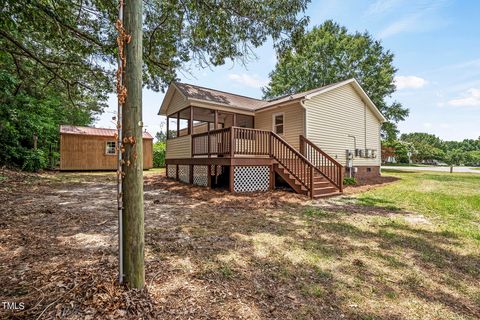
<point x="230" y="142"/>
<point x="302" y="165"/>
<point x="329" y="167"/>
<point x="215" y="142"/>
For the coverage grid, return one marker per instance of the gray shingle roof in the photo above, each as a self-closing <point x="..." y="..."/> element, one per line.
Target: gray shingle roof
<point x="239" y="101"/>
<point x="217" y="96"/>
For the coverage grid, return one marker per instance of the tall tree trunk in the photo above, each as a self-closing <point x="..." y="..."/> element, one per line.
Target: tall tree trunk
<point x="133" y="220"/>
<point x="451" y="169"/>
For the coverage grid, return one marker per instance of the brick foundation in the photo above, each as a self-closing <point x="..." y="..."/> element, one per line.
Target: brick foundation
<point x="364" y="172"/>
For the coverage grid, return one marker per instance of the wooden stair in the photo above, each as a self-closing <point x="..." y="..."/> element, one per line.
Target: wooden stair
<point x="321" y="186"/>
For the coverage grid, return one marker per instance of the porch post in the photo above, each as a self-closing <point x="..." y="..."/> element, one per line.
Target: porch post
<point x="190" y="123"/>
<point x="167" y="135"/>
<point x="178" y="124"/>
<point x="215" y="120"/>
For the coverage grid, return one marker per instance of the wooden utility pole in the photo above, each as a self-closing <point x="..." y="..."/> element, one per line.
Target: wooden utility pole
<point x="132" y="189"/>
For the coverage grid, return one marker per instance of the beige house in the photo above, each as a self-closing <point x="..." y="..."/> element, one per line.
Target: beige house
<point x="308" y="140"/>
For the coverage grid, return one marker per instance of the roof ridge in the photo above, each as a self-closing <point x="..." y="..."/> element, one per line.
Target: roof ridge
<point x="310" y="90"/>
<point x="74" y="125"/>
<point x="231" y="93"/>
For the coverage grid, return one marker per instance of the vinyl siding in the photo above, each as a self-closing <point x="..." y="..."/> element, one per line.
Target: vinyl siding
<point x="177" y="103"/>
<point x="179" y="148"/>
<point x="83" y="152"/>
<point x="293" y="122"/>
<point x="333" y="115"/>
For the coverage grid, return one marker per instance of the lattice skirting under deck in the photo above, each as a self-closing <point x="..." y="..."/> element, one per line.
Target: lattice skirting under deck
<point x="172" y="171"/>
<point x="251" y="179"/>
<point x="200" y="175"/>
<point x="184" y="173"/>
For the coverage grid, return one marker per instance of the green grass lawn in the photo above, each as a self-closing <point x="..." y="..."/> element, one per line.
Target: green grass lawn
<point x="452" y="200"/>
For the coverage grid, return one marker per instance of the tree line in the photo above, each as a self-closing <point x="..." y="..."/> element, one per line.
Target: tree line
<point x="421" y="147"/>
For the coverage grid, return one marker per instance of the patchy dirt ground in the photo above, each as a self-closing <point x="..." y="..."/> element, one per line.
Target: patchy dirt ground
<point x="214" y="255"/>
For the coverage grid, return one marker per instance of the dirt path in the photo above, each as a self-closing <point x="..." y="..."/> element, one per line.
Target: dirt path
<point x="209" y="254"/>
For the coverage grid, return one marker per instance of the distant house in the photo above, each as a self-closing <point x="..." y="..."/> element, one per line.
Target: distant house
<point x="308" y="140"/>
<point x="87" y="148"/>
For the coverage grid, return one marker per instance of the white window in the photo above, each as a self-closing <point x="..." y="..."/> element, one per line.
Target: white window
<point x="278" y="119"/>
<point x="111" y="148"/>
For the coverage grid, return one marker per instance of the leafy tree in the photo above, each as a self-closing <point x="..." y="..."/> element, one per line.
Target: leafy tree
<point x="328" y="54"/>
<point x="421" y="137"/>
<point x="63" y="53"/>
<point x="74" y="41"/>
<point x="26" y="111"/>
<point x="400" y="149"/>
<point x="472" y="158"/>
<point x="454" y="158"/>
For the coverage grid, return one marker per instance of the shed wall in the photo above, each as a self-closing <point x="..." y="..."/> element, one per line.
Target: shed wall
<point x="81" y="152"/>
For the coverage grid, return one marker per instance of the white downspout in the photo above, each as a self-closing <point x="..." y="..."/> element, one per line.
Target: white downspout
<point x="305" y="132"/>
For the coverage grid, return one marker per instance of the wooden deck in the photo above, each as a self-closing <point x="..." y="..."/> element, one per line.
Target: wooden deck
<point x="314" y="172"/>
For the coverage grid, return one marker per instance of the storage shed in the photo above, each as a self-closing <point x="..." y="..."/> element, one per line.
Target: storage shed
<point x="87" y="148"/>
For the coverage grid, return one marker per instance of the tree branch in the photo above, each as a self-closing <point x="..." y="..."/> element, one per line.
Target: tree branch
<point x="57" y="19"/>
<point x="40" y="61"/>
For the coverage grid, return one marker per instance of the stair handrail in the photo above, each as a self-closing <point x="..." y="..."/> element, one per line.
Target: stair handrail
<point x="307" y="184"/>
<point x="339" y="168"/>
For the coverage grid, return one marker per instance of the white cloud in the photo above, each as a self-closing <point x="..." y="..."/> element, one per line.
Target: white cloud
<point x="247" y="80"/>
<point x="418" y="17"/>
<point x="405" y="24"/>
<point x="409" y="82"/>
<point x="428" y="125"/>
<point x="470" y="99"/>
<point x="382" y="6"/>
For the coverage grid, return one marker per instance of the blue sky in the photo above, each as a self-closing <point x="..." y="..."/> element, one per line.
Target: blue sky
<point x="437" y="53"/>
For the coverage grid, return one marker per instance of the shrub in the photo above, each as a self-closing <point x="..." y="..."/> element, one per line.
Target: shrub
<point x="34" y="160"/>
<point x="349" y="181"/>
<point x="159" y="155"/>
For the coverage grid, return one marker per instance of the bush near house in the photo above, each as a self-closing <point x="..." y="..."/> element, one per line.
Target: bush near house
<point x="159" y="154"/>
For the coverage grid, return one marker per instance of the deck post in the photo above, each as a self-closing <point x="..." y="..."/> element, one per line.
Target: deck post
<point x="232" y="142"/>
<point x="208" y="142"/>
<point x="272" y="178"/>
<point x="166" y="170"/>
<point x="340" y="172"/>
<point x="311" y="182"/>
<point x="270" y="147"/>
<point x="209" y="176"/>
<point x="190" y="176"/>
<point x="231" y="184"/>
<point x="302" y="147"/>
<point x="176" y="172"/>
